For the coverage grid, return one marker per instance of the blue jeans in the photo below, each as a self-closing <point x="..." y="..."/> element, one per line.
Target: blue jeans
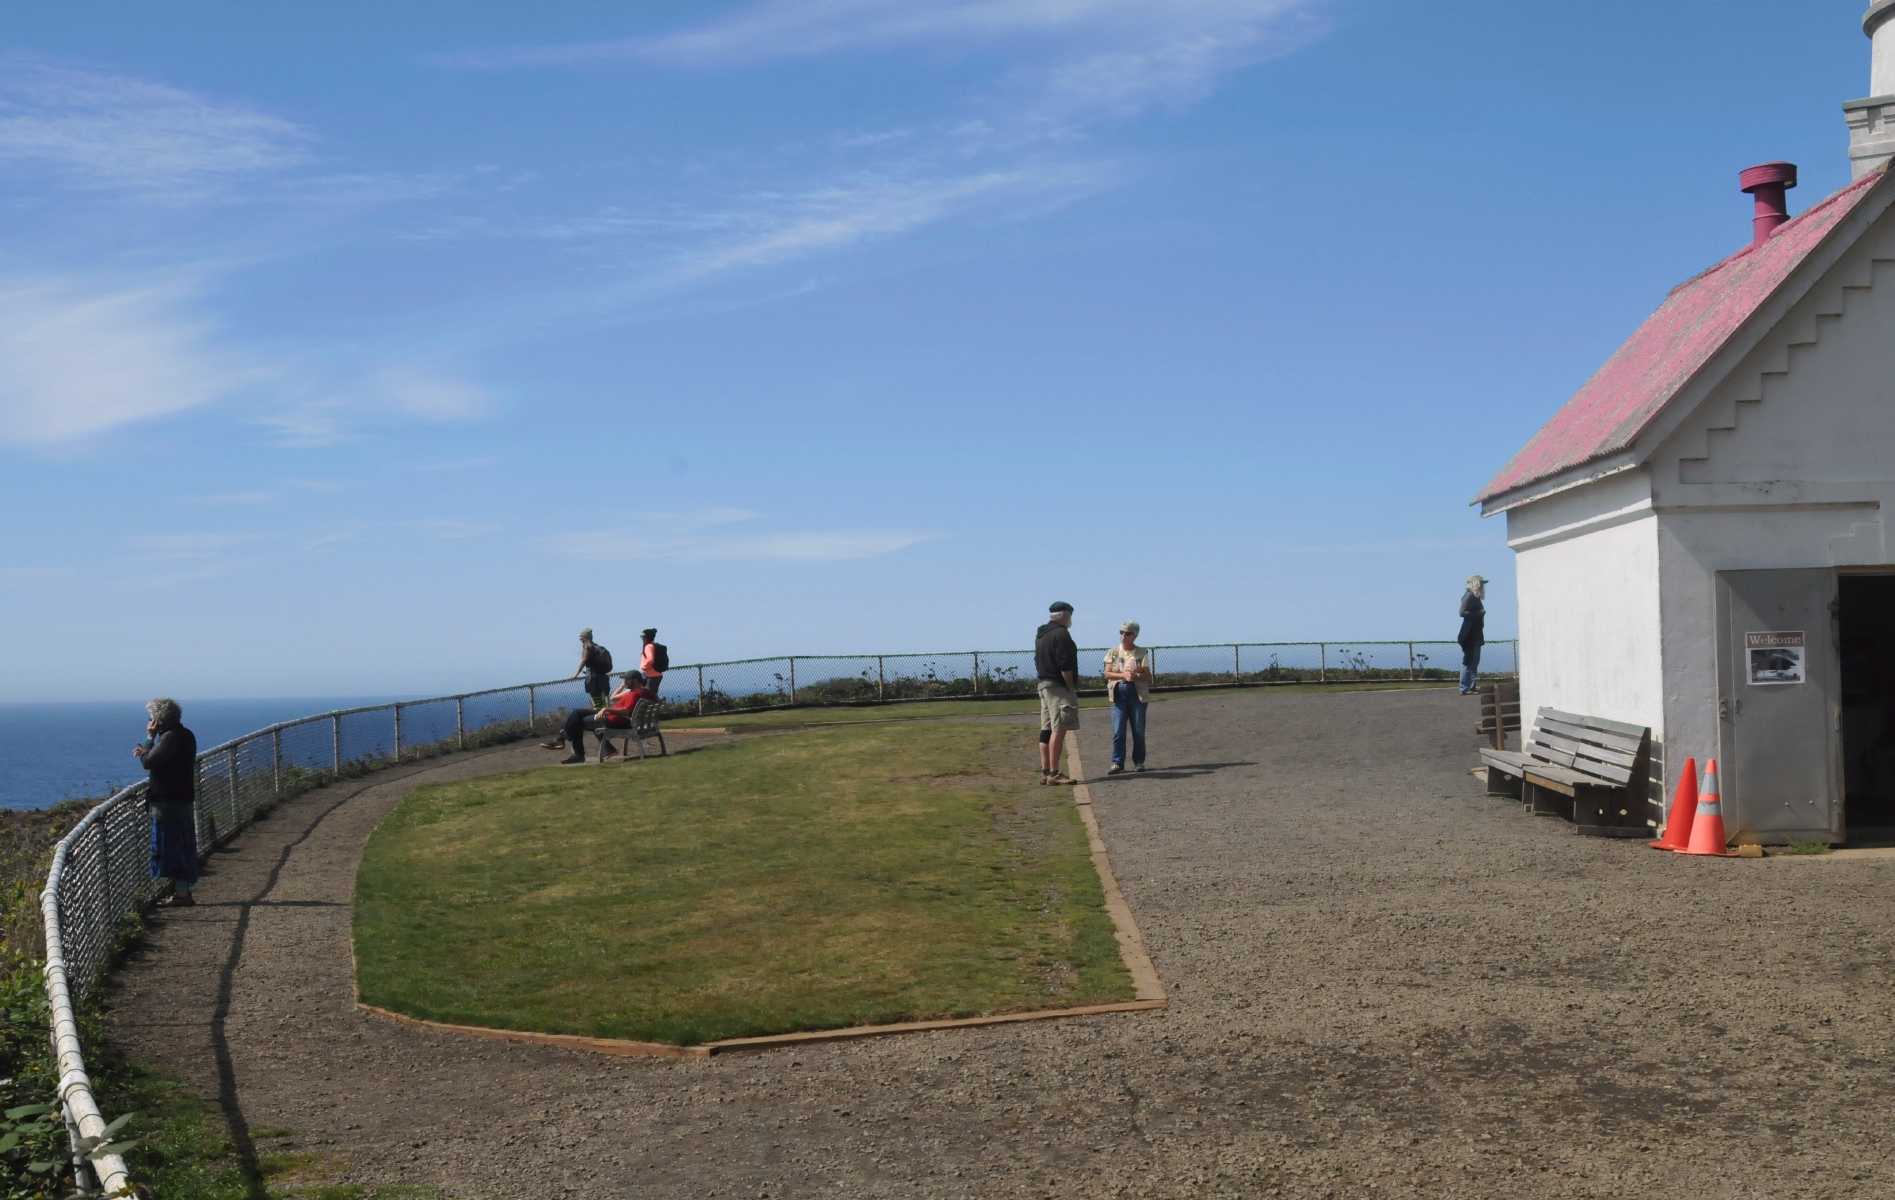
<point x="1127" y="710"/>
<point x="1470" y="663"/>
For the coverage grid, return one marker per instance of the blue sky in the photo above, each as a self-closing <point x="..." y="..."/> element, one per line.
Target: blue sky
<point x="376" y="349"/>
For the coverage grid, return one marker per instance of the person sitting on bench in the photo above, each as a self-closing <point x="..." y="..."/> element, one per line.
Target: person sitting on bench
<point x="617" y="714"/>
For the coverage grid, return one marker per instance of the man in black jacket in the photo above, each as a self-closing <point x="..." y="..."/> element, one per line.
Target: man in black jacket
<point x="170" y="755"/>
<point x="1056" y="662"/>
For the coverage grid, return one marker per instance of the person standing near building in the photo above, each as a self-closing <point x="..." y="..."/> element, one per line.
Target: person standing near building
<point x="1473" y="631"/>
<point x="1056" y="661"/>
<point x="1128" y="675"/>
<point x="169" y="753"/>
<point x="654" y="660"/>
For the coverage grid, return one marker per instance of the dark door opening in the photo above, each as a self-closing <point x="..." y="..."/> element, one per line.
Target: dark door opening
<point x="1866" y="619"/>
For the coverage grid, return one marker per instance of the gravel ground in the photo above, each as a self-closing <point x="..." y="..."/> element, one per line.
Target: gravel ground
<point x="1382" y="982"/>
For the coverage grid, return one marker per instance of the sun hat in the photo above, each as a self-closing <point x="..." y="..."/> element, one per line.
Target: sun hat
<point x="586" y="633"/>
<point x="1129" y="627"/>
<point x="1059" y="606"/>
<point x="1477" y="579"/>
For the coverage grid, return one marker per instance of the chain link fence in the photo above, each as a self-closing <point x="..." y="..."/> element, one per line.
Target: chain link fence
<point x="752" y="683"/>
<point x="101" y="870"/>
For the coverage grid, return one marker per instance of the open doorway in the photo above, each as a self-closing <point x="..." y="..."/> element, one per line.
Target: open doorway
<point x="1866" y="629"/>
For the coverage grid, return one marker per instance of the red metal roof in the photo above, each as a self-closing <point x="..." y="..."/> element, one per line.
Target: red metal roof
<point x="1694" y="322"/>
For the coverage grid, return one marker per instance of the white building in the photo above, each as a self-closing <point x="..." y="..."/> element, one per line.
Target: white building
<point x="1702" y="531"/>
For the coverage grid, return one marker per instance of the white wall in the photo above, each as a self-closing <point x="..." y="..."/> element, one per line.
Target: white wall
<point x="1589" y="610"/>
<point x="1790" y="462"/>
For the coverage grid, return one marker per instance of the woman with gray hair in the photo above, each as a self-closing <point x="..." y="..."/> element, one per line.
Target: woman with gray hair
<point x="1473" y="631"/>
<point x="169" y="753"/>
<point x="1128" y="682"/>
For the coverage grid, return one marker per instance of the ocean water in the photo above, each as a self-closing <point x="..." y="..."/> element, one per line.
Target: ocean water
<point x="54" y="752"/>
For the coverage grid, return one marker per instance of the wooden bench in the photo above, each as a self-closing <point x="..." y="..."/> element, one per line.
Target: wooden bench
<point x="1589" y="770"/>
<point x="644" y="727"/>
<point x="1499" y="713"/>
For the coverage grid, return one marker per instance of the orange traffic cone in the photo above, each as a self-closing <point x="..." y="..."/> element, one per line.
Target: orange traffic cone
<point x="1684" y="806"/>
<point x="1707" y="825"/>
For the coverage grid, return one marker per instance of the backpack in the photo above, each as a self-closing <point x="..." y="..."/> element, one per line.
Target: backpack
<point x="599" y="662"/>
<point x="660" y="658"/>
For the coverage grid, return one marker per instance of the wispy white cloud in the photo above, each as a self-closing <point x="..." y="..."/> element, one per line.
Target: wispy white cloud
<point x="703" y="536"/>
<point x="110" y="131"/>
<point x="175" y="547"/>
<point x="1084" y="58"/>
<point x="837" y="217"/>
<point x="342" y="407"/>
<point x="80" y="356"/>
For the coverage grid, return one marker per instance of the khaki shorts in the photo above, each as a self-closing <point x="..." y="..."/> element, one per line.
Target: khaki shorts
<point x="1059" y="708"/>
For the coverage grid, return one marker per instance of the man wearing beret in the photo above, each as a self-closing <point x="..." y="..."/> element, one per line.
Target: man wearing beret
<point x="1056" y="661"/>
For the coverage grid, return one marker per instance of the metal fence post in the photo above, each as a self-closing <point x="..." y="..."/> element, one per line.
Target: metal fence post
<point x="792" y="679"/>
<point x="460" y="722"/>
<point x="1152" y="661"/>
<point x="532" y="715"/>
<point x="1236" y="662"/>
<point x="397" y="733"/>
<point x="1411" y="661"/>
<point x="700" y="691"/>
<point x="336" y="721"/>
<point x="236" y="811"/>
<point x="881" y="680"/>
<point x="1322" y="668"/>
<point x="977" y="672"/>
<point x="276" y="761"/>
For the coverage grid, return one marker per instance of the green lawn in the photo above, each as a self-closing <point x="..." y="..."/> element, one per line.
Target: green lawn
<point x="837" y="877"/>
<point x="913" y="710"/>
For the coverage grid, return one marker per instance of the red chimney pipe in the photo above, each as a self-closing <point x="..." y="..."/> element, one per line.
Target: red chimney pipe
<point x="1766" y="184"/>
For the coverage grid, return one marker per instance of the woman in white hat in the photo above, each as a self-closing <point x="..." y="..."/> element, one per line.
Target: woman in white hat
<point x="1473" y="631"/>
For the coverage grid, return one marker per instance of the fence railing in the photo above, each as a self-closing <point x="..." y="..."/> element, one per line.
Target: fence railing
<point x="751" y="683"/>
<point x="101" y="869"/>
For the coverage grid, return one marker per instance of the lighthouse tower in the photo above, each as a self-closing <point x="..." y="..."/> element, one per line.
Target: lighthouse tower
<point x="1872" y="118"/>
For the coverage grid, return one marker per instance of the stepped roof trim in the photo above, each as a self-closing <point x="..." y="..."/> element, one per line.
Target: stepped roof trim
<point x="1698" y="318"/>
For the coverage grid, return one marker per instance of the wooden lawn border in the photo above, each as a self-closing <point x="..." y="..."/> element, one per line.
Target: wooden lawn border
<point x="1148" y="989"/>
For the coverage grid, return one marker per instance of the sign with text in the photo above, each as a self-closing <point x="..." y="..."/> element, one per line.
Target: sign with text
<point x="1775" y="657"/>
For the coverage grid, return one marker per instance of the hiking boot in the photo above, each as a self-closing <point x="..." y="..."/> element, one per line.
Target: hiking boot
<point x="607" y="752"/>
<point x="552" y="745"/>
<point x="1116" y="769"/>
<point x="180" y="900"/>
<point x="1138" y="767"/>
<point x="571" y="759"/>
<point x="1061" y="779"/>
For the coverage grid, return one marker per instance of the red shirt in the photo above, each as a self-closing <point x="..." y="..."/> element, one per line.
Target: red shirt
<point x="629" y="698"/>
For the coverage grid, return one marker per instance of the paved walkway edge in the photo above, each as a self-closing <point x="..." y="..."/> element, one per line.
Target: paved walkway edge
<point x="1148" y="991"/>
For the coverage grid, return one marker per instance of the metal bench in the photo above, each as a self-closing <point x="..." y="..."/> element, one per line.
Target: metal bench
<point x="1589" y="770"/>
<point x="644" y="727"/>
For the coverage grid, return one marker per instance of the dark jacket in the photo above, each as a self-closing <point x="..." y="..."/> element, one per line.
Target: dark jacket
<point x="1473" y="622"/>
<point x="1054" y="652"/>
<point x="172" y="761"/>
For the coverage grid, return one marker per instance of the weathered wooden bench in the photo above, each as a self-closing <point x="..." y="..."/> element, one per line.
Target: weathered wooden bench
<point x="1589" y="770"/>
<point x="1499" y="713"/>
<point x="644" y="727"/>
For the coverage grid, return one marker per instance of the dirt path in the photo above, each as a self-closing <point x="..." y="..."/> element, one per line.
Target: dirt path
<point x="1383" y="984"/>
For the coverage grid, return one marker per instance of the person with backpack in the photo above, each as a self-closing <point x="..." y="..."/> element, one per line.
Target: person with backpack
<point x="595" y="663"/>
<point x="654" y="661"/>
